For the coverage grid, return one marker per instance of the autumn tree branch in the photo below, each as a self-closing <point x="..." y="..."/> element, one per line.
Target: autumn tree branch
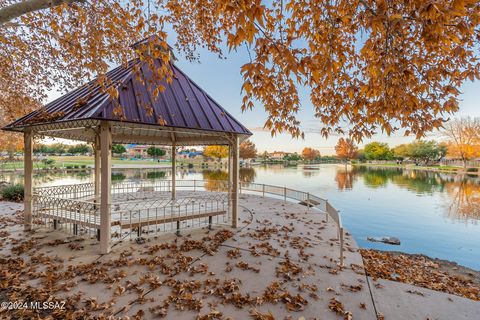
<point x="18" y="9"/>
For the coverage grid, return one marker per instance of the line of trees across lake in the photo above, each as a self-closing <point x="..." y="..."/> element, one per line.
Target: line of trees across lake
<point x="61" y="149"/>
<point x="459" y="140"/>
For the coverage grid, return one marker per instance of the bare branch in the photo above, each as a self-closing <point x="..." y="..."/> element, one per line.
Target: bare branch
<point x="18" y="9"/>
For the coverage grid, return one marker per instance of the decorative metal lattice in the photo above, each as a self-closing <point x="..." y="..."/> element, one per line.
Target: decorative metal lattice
<point x="146" y="207"/>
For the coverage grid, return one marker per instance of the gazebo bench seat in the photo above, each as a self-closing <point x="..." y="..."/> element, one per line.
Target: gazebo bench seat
<point x="135" y="223"/>
<point x="73" y="217"/>
<point x="143" y="222"/>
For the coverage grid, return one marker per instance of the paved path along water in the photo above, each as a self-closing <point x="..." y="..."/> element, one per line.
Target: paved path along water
<point x="281" y="260"/>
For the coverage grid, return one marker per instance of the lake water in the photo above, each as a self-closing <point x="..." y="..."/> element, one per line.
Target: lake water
<point x="431" y="213"/>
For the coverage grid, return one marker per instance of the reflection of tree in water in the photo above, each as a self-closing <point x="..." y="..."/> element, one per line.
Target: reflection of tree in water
<point x="247" y="174"/>
<point x="345" y="179"/>
<point x="464" y="193"/>
<point x="156" y="175"/>
<point x="309" y="172"/>
<point x="465" y="197"/>
<point x="375" y="177"/>
<point x="118" y="176"/>
<point x="215" y="180"/>
<point x="418" y="181"/>
<point x="215" y="175"/>
<point x="42" y="178"/>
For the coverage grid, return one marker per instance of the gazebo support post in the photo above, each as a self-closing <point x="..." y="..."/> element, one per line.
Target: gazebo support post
<point x="28" y="185"/>
<point x="229" y="181"/>
<point x="96" y="152"/>
<point x="105" y="188"/>
<point x="235" y="176"/>
<point x="174" y="169"/>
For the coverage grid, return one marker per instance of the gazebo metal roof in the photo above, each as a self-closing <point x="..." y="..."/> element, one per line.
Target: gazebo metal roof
<point x="183" y="109"/>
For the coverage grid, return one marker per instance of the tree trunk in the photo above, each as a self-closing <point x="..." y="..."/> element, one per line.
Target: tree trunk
<point x="18" y="9"/>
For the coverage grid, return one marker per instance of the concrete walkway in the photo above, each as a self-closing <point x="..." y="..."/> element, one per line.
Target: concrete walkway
<point x="281" y="262"/>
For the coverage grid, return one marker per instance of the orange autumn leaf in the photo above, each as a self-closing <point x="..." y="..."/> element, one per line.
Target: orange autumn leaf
<point x="365" y="66"/>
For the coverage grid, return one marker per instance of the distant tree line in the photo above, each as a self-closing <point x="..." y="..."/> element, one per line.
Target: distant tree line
<point x="419" y="151"/>
<point x="156" y="152"/>
<point x="460" y="139"/>
<point x="247" y="150"/>
<point x="60" y="148"/>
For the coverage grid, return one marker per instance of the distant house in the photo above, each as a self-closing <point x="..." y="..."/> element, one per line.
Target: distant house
<point x="187" y="154"/>
<point x="277" y="155"/>
<point x="136" y="150"/>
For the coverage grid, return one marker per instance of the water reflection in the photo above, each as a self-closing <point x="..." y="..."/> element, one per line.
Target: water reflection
<point x="247" y="174"/>
<point x="118" y="177"/>
<point x="216" y="179"/>
<point x="420" y="182"/>
<point x="345" y="179"/>
<point x="376" y="178"/>
<point x="461" y="192"/>
<point x="419" y="207"/>
<point x="463" y="200"/>
<point x="310" y="171"/>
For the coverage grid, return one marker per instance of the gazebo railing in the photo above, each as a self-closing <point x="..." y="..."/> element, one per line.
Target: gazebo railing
<point x="78" y="191"/>
<point x="69" y="191"/>
<point x="148" y="217"/>
<point x="80" y="217"/>
<point x="144" y="206"/>
<point x="134" y="208"/>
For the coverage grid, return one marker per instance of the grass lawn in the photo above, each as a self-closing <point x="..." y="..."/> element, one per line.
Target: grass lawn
<point x="76" y="161"/>
<point x="380" y="165"/>
<point x="411" y="166"/>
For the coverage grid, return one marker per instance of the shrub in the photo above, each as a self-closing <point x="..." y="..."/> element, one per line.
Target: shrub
<point x="472" y="170"/>
<point x="156" y="175"/>
<point x="48" y="162"/>
<point x="83" y="166"/>
<point x="118" y="176"/>
<point x="13" y="192"/>
<point x="68" y="167"/>
<point x="75" y="167"/>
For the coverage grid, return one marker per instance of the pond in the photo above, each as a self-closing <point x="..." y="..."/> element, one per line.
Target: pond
<point x="431" y="213"/>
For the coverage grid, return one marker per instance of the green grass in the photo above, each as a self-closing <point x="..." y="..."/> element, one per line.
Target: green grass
<point x="435" y="167"/>
<point x="62" y="162"/>
<point x="444" y="167"/>
<point x="379" y="165"/>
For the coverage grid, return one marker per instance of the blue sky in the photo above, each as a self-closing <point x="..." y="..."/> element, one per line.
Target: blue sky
<point x="222" y="80"/>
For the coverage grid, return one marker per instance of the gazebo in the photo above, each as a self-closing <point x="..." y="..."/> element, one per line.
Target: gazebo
<point x="181" y="115"/>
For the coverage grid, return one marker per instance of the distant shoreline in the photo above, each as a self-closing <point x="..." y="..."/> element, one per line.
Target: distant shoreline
<point x="442" y="169"/>
<point x="117" y="167"/>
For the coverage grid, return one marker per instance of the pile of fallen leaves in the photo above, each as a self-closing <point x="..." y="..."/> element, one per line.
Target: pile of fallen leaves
<point x="419" y="271"/>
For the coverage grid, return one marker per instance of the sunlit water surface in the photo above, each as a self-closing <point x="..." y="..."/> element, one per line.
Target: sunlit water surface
<point x="431" y="213"/>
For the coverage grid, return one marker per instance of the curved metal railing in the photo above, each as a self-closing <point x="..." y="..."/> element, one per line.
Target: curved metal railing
<point x="135" y="188"/>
